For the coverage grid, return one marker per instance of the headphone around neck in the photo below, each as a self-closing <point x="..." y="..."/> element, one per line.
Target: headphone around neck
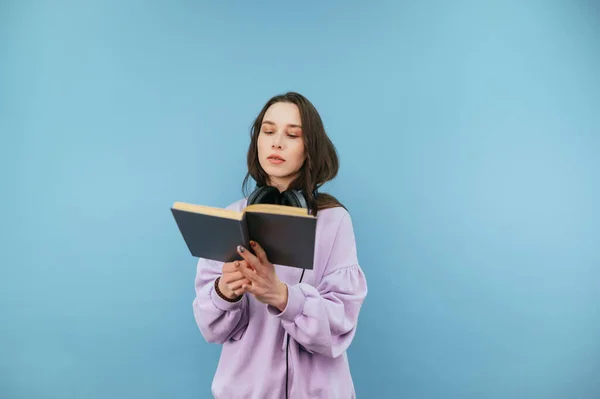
<point x="271" y="195"/>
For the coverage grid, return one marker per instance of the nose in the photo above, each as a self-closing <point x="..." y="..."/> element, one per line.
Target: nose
<point x="276" y="141"/>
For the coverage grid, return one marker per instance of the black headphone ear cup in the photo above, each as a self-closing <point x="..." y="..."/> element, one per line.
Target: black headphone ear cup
<point x="264" y="195"/>
<point x="293" y="198"/>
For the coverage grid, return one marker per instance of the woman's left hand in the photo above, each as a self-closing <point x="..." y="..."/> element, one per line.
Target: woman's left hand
<point x="264" y="283"/>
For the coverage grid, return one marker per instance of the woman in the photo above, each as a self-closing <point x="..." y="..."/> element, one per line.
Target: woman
<point x="285" y="332"/>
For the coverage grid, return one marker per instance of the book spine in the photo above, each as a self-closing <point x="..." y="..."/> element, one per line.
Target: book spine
<point x="244" y="232"/>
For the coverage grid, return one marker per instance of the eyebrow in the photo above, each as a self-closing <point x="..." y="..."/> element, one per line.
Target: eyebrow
<point x="290" y="125"/>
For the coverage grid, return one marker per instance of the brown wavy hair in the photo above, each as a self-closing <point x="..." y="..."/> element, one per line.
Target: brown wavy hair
<point x="321" y="164"/>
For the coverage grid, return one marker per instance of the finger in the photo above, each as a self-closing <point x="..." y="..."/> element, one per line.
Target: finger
<point x="240" y="292"/>
<point x="232" y="276"/>
<point x="232" y="266"/>
<point x="260" y="252"/>
<point x="236" y="285"/>
<point x="247" y="271"/>
<point x="228" y="267"/>
<point x="245" y="287"/>
<point x="245" y="264"/>
<point x="248" y="256"/>
<point x="248" y="288"/>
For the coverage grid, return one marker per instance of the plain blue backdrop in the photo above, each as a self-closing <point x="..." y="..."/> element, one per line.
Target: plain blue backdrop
<point x="469" y="138"/>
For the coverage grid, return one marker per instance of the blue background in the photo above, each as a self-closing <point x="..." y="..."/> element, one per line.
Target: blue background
<point x="469" y="137"/>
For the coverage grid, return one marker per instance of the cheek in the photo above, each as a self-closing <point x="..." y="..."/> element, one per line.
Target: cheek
<point x="261" y="144"/>
<point x="298" y="151"/>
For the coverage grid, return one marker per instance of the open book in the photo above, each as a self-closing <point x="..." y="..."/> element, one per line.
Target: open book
<point x="286" y="233"/>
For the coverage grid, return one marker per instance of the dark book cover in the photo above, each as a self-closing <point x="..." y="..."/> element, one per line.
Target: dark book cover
<point x="288" y="240"/>
<point x="210" y="236"/>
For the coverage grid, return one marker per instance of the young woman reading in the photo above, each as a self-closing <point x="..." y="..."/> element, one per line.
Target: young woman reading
<point x="285" y="331"/>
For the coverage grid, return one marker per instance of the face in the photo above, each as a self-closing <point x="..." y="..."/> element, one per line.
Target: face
<point x="281" y="144"/>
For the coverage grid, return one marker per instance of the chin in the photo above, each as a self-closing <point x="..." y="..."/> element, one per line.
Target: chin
<point x="276" y="172"/>
<point x="272" y="170"/>
<point x="279" y="174"/>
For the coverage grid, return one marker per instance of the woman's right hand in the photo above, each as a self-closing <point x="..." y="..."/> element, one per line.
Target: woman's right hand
<point x="232" y="280"/>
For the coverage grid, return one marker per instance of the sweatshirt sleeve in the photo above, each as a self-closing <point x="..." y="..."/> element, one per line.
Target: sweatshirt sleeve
<point x="217" y="319"/>
<point x="323" y="318"/>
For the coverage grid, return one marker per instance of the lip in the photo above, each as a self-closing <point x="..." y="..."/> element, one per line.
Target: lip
<point x="276" y="159"/>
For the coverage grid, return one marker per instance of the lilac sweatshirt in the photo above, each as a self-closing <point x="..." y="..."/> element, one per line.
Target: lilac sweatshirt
<point x="320" y="317"/>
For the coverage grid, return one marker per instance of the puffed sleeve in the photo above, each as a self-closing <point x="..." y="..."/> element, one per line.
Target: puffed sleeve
<point x="217" y="319"/>
<point x="323" y="318"/>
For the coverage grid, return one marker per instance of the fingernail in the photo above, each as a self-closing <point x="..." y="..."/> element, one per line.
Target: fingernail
<point x="240" y="248"/>
<point x="237" y="264"/>
<point x="252" y="243"/>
